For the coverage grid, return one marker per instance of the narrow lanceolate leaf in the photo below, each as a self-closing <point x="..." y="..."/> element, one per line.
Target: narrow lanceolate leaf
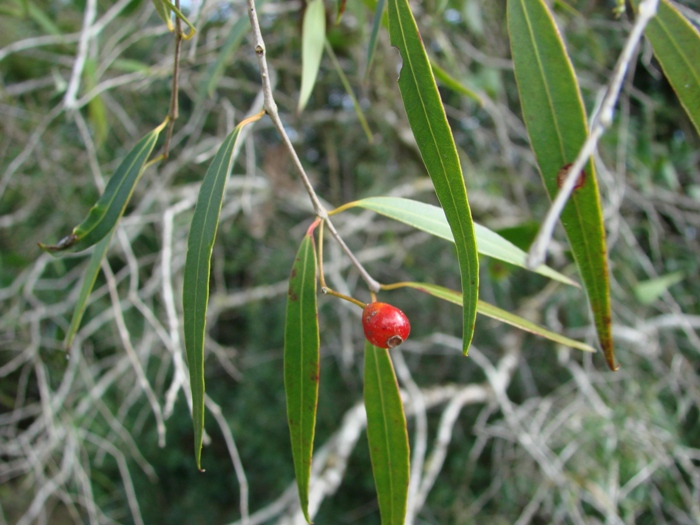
<point x="312" y="39"/>
<point x="556" y="123"/>
<point x="301" y="364"/>
<point x="110" y="206"/>
<point x="98" y="254"/>
<point x="432" y="219"/>
<point x="676" y="44"/>
<point x="454" y="84"/>
<point x="387" y="435"/>
<point x="499" y="314"/>
<point x="163" y="12"/>
<point x="374" y="35"/>
<point x="428" y="121"/>
<point x="195" y="292"/>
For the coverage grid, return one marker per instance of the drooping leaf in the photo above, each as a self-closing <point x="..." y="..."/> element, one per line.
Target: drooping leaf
<point x="313" y="37"/>
<point x="428" y="121"/>
<point x="499" y="314"/>
<point x="374" y="35"/>
<point x="556" y="123"/>
<point x="452" y="83"/>
<point x="110" y="206"/>
<point x="195" y="292"/>
<point x="164" y="9"/>
<point x="89" y="278"/>
<point x="431" y="219"/>
<point x="676" y="44"/>
<point x="348" y="89"/>
<point x="340" y="11"/>
<point x="163" y="12"/>
<point x="301" y="364"/>
<point x="386" y="435"/>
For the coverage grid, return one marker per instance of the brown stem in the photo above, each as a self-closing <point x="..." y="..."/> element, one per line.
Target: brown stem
<point x="174" y="108"/>
<point x="273" y="113"/>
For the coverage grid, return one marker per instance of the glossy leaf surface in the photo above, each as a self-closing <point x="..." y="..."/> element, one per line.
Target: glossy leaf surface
<point x="312" y="40"/>
<point x="301" y="364"/>
<point x="676" y="44"/>
<point x="431" y="219"/>
<point x="556" y="124"/>
<point x="499" y="314"/>
<point x="428" y="121"/>
<point x="386" y="435"/>
<point x="110" y="206"/>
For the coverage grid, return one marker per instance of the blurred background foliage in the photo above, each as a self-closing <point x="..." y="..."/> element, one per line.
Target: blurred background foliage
<point x="569" y="443"/>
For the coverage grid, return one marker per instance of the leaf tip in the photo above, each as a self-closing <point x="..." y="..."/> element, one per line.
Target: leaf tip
<point x="61" y="245"/>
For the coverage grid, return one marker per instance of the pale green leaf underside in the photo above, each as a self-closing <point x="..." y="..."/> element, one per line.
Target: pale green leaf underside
<point x="313" y="37"/>
<point x="499" y="314"/>
<point x="431" y="219"/>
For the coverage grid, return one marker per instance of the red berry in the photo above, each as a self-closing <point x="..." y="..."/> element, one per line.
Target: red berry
<point x="385" y="326"/>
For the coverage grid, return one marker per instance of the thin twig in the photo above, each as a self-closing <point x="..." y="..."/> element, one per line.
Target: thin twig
<point x="601" y="121"/>
<point x="273" y="113"/>
<point x="174" y="108"/>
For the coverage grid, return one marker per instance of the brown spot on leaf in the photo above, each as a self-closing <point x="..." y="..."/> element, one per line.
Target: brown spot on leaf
<point x="561" y="176"/>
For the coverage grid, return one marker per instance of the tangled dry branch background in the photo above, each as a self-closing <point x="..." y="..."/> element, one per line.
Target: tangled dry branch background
<point x="521" y="432"/>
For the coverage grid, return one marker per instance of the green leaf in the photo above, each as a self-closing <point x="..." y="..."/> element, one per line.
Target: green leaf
<point x="387" y="435"/>
<point x="348" y="89"/>
<point x="110" y="206"/>
<point x="301" y="364"/>
<point x="98" y="254"/>
<point x="164" y="8"/>
<point x="431" y="219"/>
<point x="452" y="83"/>
<point x="428" y="121"/>
<point x="374" y="35"/>
<point x="313" y="37"/>
<point x="163" y="12"/>
<point x="195" y="293"/>
<point x="556" y="123"/>
<point x="649" y="291"/>
<point x="499" y="314"/>
<point x="676" y="44"/>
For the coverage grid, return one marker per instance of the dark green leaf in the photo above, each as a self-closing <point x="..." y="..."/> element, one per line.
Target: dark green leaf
<point x="110" y="206"/>
<point x="676" y="44"/>
<point x="387" y="435"/>
<point x="428" y="121"/>
<point x="195" y="293"/>
<point x="301" y="364"/>
<point x="556" y="123"/>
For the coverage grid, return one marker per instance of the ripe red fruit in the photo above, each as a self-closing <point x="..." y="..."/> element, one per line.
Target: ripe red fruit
<point x="385" y="326"/>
